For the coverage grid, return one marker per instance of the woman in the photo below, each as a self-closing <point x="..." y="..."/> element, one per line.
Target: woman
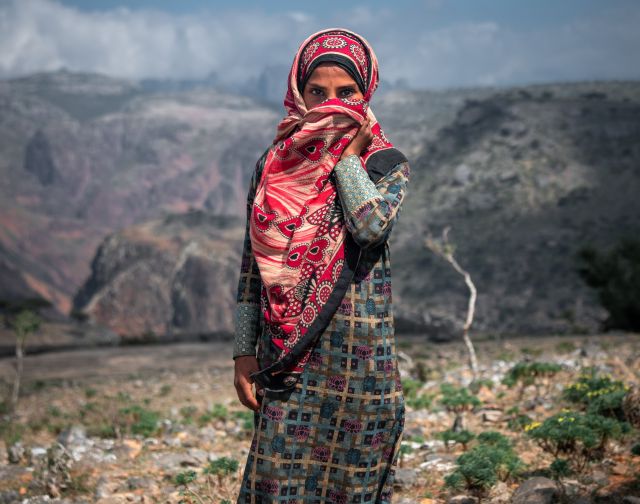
<point x="314" y="292"/>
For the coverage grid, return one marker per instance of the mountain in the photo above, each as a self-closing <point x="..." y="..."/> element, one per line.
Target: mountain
<point x="524" y="177"/>
<point x="85" y="155"/>
<point x="118" y="198"/>
<point x="166" y="279"/>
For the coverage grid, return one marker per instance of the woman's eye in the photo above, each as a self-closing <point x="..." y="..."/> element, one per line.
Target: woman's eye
<point x="316" y="91"/>
<point x="347" y="92"/>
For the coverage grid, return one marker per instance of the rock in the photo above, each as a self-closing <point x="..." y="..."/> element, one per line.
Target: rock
<point x="139" y="482"/>
<point x="462" y="174"/>
<point x="462" y="499"/>
<point x="200" y="455"/>
<point x="73" y="436"/>
<point x="630" y="499"/>
<point x="129" y="448"/>
<point x="104" y="488"/>
<point x="599" y="477"/>
<point x="500" y="493"/>
<point x="9" y="496"/>
<point x="405" y="478"/>
<point x="16" y="453"/>
<point x="38" y="451"/>
<point x="492" y="415"/>
<point x="441" y="462"/>
<point x="536" y="490"/>
<point x="175" y="462"/>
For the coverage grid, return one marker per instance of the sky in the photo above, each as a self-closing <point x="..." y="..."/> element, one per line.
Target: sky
<point x="427" y="44"/>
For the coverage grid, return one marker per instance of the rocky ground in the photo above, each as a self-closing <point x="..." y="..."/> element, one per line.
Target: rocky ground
<point x="120" y="424"/>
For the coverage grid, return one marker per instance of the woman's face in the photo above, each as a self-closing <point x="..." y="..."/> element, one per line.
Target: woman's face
<point x="329" y="81"/>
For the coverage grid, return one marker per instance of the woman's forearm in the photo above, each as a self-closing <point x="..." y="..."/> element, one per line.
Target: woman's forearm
<point x="370" y="208"/>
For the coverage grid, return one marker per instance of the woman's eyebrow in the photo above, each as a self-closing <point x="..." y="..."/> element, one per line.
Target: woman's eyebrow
<point x="345" y="86"/>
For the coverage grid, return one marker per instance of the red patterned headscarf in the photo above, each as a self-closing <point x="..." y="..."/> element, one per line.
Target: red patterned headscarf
<point x="297" y="228"/>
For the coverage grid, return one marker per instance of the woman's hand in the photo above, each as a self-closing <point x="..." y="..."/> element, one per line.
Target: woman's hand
<point x="244" y="366"/>
<point x="359" y="142"/>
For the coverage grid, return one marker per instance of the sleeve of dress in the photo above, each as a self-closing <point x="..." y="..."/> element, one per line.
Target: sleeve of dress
<point x="247" y="316"/>
<point x="370" y="209"/>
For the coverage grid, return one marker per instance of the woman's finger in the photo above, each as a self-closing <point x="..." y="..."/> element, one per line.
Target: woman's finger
<point x="245" y="394"/>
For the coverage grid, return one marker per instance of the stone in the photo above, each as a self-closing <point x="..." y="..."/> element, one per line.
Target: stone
<point x="175" y="462"/>
<point x="38" y="451"/>
<point x="104" y="488"/>
<point x="73" y="436"/>
<point x="490" y="415"/>
<point x="500" y="493"/>
<point x="462" y="174"/>
<point x="405" y="478"/>
<point x="9" y="496"/>
<point x="630" y="499"/>
<point x="462" y="499"/>
<point x="536" y="490"/>
<point x="17" y="453"/>
<point x="129" y="448"/>
<point x="599" y="477"/>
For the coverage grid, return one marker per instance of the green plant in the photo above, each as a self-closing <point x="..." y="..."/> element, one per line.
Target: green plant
<point x="565" y="347"/>
<point x="518" y="421"/>
<point x="410" y="388"/>
<point x="581" y="437"/>
<point x="90" y="392"/>
<point x="533" y="352"/>
<point x="560" y="468"/>
<point x="423" y="401"/>
<point x="597" y="393"/>
<point x="494" y="438"/>
<point x="165" y="390"/>
<point x="246" y="419"/>
<point x="615" y="275"/>
<point x="217" y="412"/>
<point x="188" y="412"/>
<point x="222" y="466"/>
<point x="139" y="420"/>
<point x="458" y="400"/>
<point x="530" y="373"/>
<point x="478" y="469"/>
<point x="635" y="449"/>
<point x="463" y="437"/>
<point x="476" y="385"/>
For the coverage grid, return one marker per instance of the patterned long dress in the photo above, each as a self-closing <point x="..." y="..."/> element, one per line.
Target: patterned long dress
<point x="335" y="437"/>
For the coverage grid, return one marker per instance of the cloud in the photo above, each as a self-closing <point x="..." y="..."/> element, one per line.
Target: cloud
<point x="37" y="35"/>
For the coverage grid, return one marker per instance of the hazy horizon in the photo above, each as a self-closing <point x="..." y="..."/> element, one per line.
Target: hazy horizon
<point x="429" y="44"/>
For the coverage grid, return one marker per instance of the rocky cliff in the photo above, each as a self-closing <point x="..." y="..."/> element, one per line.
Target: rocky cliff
<point x="85" y="155"/>
<point x="147" y="185"/>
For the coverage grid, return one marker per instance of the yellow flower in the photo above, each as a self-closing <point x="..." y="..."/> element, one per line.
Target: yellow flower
<point x="531" y="426"/>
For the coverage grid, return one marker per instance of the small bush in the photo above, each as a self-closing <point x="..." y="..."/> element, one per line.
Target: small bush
<point x="483" y="466"/>
<point x="222" y="466"/>
<point x="139" y="420"/>
<point x="463" y="438"/>
<point x="246" y="420"/>
<point x="457" y="399"/>
<point x="560" y="468"/>
<point x="598" y="393"/>
<point x="581" y="437"/>
<point x="188" y="412"/>
<point x="217" y="412"/>
<point x="528" y="373"/>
